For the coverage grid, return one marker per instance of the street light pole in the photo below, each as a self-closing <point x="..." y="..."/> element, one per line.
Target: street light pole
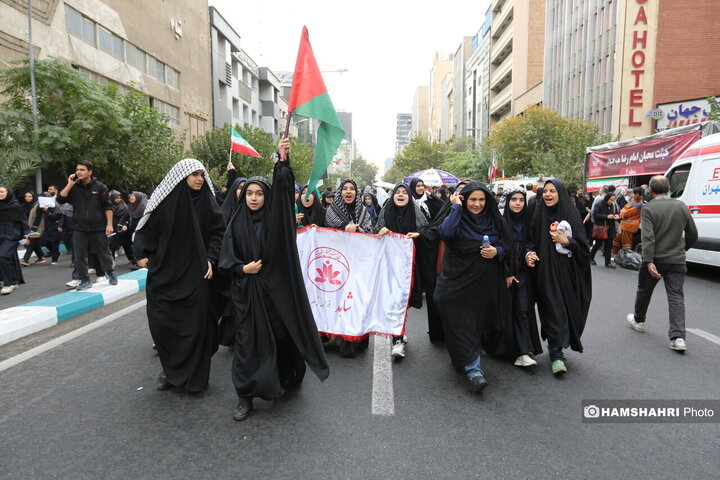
<point x="33" y="94"/>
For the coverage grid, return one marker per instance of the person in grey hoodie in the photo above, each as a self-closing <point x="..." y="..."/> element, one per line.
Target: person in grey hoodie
<point x="667" y="232"/>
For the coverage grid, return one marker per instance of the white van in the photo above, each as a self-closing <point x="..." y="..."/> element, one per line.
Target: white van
<point x="695" y="179"/>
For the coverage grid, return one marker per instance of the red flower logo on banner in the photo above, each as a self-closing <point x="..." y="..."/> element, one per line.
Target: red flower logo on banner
<point x="327" y="274"/>
<point x="328" y="269"/>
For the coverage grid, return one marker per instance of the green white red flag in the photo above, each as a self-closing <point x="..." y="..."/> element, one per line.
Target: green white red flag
<point x="309" y="98"/>
<point x="239" y="145"/>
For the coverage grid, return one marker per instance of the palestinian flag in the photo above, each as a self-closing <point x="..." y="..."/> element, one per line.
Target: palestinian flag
<point x="309" y="98"/>
<point x="239" y="145"/>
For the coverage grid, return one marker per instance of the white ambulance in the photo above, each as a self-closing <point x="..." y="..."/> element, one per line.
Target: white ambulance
<point x="695" y="179"/>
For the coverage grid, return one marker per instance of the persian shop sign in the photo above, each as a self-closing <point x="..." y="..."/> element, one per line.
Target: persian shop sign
<point x="637" y="61"/>
<point x="683" y="113"/>
<point x="647" y="158"/>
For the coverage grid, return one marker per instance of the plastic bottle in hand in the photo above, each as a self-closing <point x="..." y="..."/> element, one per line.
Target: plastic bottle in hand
<point x="486" y="241"/>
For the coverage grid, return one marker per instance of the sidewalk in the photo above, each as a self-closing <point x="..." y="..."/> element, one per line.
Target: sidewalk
<point x="22" y="320"/>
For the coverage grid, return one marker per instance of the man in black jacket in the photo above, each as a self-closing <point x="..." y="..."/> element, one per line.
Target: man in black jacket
<point x="92" y="215"/>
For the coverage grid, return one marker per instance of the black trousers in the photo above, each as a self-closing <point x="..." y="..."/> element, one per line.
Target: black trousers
<point x="607" y="247"/>
<point x="673" y="277"/>
<point x="124" y="240"/>
<point x="99" y="243"/>
<point x="35" y="246"/>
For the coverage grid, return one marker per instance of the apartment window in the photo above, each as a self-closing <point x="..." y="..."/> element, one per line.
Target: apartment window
<point x="135" y="57"/>
<point x="110" y="44"/>
<point x="73" y="21"/>
<point x="173" y="76"/>
<point x="171" y="111"/>
<point x="156" y="68"/>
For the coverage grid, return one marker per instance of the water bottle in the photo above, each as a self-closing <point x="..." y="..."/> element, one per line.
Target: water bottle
<point x="486" y="241"/>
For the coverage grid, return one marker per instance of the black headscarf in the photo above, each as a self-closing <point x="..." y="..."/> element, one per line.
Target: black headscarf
<point x="323" y="196"/>
<point x="564" y="283"/>
<point x="405" y="219"/>
<point x="315" y="213"/>
<point x="519" y="223"/>
<point x="487" y="222"/>
<point x="231" y="199"/>
<point x="118" y="209"/>
<point x="27" y="206"/>
<point x="413" y="185"/>
<point x="246" y="228"/>
<point x="10" y="209"/>
<point x="137" y="209"/>
<point x="443" y="194"/>
<point x="370" y="208"/>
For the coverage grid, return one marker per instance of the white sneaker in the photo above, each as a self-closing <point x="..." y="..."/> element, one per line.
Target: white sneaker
<point x="398" y="350"/>
<point x="72" y="283"/>
<point x="91" y="271"/>
<point x="678" y="344"/>
<point x="638" y="327"/>
<point x="525" y="361"/>
<point x="100" y="279"/>
<point x="8" y="289"/>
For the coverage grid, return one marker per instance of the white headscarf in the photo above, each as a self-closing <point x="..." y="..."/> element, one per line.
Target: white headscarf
<point x="177" y="174"/>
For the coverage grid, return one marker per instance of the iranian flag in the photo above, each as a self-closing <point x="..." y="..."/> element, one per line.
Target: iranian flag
<point x="239" y="145"/>
<point x="309" y="98"/>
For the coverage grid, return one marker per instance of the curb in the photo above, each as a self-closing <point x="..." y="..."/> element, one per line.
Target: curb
<point x="22" y="320"/>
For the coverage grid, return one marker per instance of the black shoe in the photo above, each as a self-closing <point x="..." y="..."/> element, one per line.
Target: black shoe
<point x="162" y="382"/>
<point x="478" y="383"/>
<point x="242" y="411"/>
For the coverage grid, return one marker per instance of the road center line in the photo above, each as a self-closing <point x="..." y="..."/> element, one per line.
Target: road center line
<point x="383" y="401"/>
<point x="707" y="336"/>
<point x="33" y="352"/>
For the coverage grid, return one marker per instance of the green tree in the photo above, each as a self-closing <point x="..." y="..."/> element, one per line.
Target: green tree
<point x="301" y="160"/>
<point x="17" y="166"/>
<point x="363" y="171"/>
<point x="419" y="154"/>
<point x="463" y="159"/>
<point x="149" y="146"/>
<point x="714" y="109"/>
<point x="76" y="119"/>
<point x="543" y="143"/>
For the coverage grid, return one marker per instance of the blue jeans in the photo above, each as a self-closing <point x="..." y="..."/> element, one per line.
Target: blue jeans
<point x="473" y="369"/>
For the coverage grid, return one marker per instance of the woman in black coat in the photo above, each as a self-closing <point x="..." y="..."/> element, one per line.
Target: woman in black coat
<point x="605" y="215"/>
<point x="471" y="292"/>
<point x="562" y="267"/>
<point x="275" y="331"/>
<point x="178" y="239"/>
<point x="13" y="229"/>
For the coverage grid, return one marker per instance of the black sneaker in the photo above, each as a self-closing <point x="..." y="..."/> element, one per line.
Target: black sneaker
<point x="243" y="408"/>
<point x="112" y="278"/>
<point x="478" y="383"/>
<point x="84" y="285"/>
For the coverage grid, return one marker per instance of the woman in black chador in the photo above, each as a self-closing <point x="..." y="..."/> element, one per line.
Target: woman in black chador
<point x="310" y="208"/>
<point x="471" y="292"/>
<point x="562" y="259"/>
<point x="348" y="213"/>
<point x="178" y="239"/>
<point x="402" y="215"/>
<point x="275" y="332"/>
<point x="520" y="339"/>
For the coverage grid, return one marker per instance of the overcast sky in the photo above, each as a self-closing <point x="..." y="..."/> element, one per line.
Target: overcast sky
<point x="387" y="46"/>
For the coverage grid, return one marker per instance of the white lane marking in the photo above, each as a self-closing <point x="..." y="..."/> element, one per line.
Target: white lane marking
<point x="705" y="335"/>
<point x="11" y="362"/>
<point x="383" y="400"/>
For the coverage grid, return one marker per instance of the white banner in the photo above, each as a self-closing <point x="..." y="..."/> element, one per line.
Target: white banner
<point x="356" y="283"/>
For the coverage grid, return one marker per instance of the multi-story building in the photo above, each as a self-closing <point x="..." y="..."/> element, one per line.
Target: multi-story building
<point x="164" y="52"/>
<point x="243" y="92"/>
<point x="458" y="122"/>
<point x="421" y="113"/>
<point x="447" y="108"/>
<point x="402" y="131"/>
<point x="580" y="59"/>
<point x="477" y="79"/>
<point x="441" y="66"/>
<point x="516" y="56"/>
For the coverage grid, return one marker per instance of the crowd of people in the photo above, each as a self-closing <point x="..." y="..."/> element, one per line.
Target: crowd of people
<point x="485" y="263"/>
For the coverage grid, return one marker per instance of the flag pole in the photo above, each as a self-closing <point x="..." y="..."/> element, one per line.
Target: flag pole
<point x="286" y="135"/>
<point x="231" y="143"/>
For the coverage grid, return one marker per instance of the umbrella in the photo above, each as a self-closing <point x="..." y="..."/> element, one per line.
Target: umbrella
<point x="434" y="177"/>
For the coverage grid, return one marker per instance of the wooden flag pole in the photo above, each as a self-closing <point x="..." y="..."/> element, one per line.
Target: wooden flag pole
<point x="283" y="154"/>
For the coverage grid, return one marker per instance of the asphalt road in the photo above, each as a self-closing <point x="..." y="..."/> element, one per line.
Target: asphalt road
<point x="89" y="409"/>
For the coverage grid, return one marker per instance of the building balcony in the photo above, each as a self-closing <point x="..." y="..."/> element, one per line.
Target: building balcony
<point x="501" y="100"/>
<point x="502" y="19"/>
<point x="247" y="62"/>
<point x="500" y="72"/>
<point x="244" y="91"/>
<point x="269" y="109"/>
<point x="501" y="48"/>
